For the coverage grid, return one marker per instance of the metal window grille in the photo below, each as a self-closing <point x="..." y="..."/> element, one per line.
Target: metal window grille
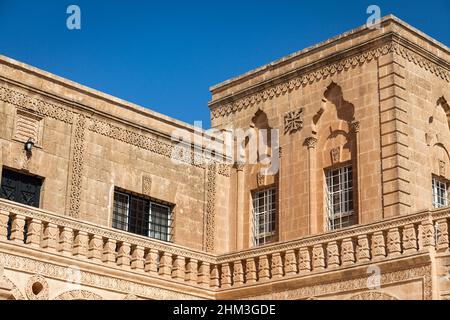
<point x="142" y="216"/>
<point x="340" y="198"/>
<point x="264" y="216"/>
<point x="440" y="193"/>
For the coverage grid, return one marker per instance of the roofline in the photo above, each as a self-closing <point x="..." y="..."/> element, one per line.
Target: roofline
<point x="317" y="47"/>
<point x="92" y="92"/>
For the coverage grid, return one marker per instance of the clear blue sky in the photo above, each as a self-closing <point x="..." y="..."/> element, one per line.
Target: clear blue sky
<point x="164" y="55"/>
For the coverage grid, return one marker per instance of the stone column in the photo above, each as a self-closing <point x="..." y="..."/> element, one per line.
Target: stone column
<point x="240" y="200"/>
<point x="355" y="129"/>
<point x="312" y="219"/>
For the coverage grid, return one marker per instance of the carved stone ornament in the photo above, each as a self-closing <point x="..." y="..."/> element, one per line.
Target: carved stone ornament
<point x="441" y="168"/>
<point x="336" y="155"/>
<point x="37" y="288"/>
<point x="293" y="121"/>
<point x="146" y="185"/>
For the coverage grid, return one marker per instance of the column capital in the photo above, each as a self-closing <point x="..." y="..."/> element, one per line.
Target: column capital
<point x="311" y="142"/>
<point x="355" y="126"/>
<point x="239" y="166"/>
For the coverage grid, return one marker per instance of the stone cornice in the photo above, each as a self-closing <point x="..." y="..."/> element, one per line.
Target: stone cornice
<point x="308" y="74"/>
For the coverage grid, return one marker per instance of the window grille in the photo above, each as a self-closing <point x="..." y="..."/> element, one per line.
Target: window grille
<point x="142" y="216"/>
<point x="440" y="193"/>
<point x="264" y="216"/>
<point x="340" y="198"/>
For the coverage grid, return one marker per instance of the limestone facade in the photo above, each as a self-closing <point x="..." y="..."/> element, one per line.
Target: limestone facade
<point x="375" y="101"/>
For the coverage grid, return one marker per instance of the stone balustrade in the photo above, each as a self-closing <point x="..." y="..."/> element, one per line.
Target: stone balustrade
<point x="357" y="245"/>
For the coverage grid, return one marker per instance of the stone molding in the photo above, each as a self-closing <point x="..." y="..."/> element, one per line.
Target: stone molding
<point x="78" y="295"/>
<point x="223" y="108"/>
<point x="341" y="287"/>
<point x="210" y="208"/>
<point x="89" y="279"/>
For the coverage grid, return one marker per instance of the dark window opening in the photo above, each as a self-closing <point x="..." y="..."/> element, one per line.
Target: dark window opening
<point x="20" y="188"/>
<point x="142" y="216"/>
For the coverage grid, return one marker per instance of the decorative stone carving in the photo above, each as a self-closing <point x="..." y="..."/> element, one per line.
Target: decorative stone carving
<point x="293" y="121"/>
<point x="238" y="273"/>
<point x="78" y="295"/>
<point x="355" y="126"/>
<point x="333" y="255"/>
<point x="226" y="276"/>
<point x="347" y="252"/>
<point x="263" y="268"/>
<point x="291" y="263"/>
<point x="210" y="207"/>
<point x="28" y="126"/>
<point x="336" y="155"/>
<point x="372" y="295"/>
<point x="441" y="168"/>
<point x="77" y="166"/>
<point x="393" y="242"/>
<point x="277" y="266"/>
<point x="363" y="253"/>
<point x="409" y="239"/>
<point x="147" y="185"/>
<point x="37" y="288"/>
<point x="318" y="260"/>
<point x="311" y="142"/>
<point x="250" y="275"/>
<point x="304" y="263"/>
<point x="378" y="245"/>
<point x="40" y="107"/>
<point x="223" y="109"/>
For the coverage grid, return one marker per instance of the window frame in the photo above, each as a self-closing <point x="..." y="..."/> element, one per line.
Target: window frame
<point x="436" y="184"/>
<point x="346" y="194"/>
<point x="270" y="216"/>
<point x="164" y="236"/>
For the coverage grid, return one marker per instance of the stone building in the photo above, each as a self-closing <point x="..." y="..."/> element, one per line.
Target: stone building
<point x="94" y="207"/>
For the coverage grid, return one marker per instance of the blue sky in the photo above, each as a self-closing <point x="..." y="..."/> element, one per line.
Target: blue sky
<point x="164" y="55"/>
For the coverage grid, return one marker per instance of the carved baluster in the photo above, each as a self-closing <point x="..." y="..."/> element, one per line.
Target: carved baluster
<point x="238" y="273"/>
<point x="123" y="256"/>
<point x="80" y="245"/>
<point x="95" y="250"/>
<point x="347" y="252"/>
<point x="109" y="252"/>
<point x="378" y="245"/>
<point x="226" y="275"/>
<point x="318" y="257"/>
<point x="409" y="239"/>
<point x="65" y="240"/>
<point x="332" y="255"/>
<point x="191" y="271"/>
<point x="442" y="242"/>
<point x="204" y="274"/>
<point x="215" y="282"/>
<point x="393" y="242"/>
<point x="151" y="262"/>
<point x="363" y="253"/>
<point x="50" y="237"/>
<point x="4" y="218"/>
<point x="137" y="258"/>
<point x="263" y="268"/>
<point x="250" y="274"/>
<point x="34" y="232"/>
<point x="17" y="228"/>
<point x="178" y="269"/>
<point x="290" y="263"/>
<point x="277" y="266"/>
<point x="304" y="260"/>
<point x="165" y="266"/>
<point x="426" y="234"/>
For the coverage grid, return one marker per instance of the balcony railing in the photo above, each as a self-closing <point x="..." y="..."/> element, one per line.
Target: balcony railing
<point x="393" y="238"/>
